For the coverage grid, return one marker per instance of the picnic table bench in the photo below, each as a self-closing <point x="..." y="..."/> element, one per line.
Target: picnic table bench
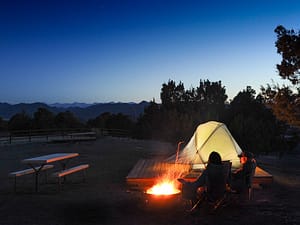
<point x="69" y="171"/>
<point x="41" y="163"/>
<point x="20" y="173"/>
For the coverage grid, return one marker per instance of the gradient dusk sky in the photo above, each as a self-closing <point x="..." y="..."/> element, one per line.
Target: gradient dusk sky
<point x="123" y="51"/>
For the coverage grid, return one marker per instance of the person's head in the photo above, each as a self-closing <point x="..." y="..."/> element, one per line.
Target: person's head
<point x="245" y="156"/>
<point x="243" y="159"/>
<point x="214" y="158"/>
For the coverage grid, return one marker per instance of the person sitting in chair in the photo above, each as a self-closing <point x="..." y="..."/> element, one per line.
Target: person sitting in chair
<point x="212" y="181"/>
<point x="242" y="178"/>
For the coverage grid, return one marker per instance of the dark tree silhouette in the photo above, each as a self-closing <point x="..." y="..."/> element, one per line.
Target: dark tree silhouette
<point x="115" y="122"/>
<point x="67" y="120"/>
<point x="148" y="124"/>
<point x="288" y="45"/>
<point x="119" y="121"/>
<point x="284" y="103"/>
<point x="20" y="121"/>
<point x="43" y="119"/>
<point x="172" y="95"/>
<point x="182" y="110"/>
<point x="253" y="125"/>
<point x="210" y="99"/>
<point x="3" y="125"/>
<point x="99" y="121"/>
<point x="285" y="100"/>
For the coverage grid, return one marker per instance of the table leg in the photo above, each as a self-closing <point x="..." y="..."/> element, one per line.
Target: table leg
<point x="37" y="171"/>
<point x="63" y="166"/>
<point x="36" y="181"/>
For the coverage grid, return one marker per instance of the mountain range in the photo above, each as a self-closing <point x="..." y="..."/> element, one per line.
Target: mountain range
<point x="82" y="111"/>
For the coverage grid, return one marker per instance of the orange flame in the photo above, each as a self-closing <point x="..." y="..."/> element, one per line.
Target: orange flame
<point x="164" y="188"/>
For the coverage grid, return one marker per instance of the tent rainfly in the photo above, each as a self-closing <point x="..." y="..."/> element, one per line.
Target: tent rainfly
<point x="208" y="137"/>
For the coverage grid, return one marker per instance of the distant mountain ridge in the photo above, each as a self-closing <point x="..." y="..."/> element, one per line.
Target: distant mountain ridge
<point x="74" y="104"/>
<point x="82" y="111"/>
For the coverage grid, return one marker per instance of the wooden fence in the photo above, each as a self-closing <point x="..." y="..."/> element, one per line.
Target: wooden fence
<point x="59" y="135"/>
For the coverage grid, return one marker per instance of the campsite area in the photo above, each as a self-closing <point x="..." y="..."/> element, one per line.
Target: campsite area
<point x="105" y="199"/>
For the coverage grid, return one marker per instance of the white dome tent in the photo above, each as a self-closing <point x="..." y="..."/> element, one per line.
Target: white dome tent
<point x="208" y="137"/>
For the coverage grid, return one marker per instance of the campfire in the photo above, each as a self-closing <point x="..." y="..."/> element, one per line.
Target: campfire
<point x="165" y="187"/>
<point x="166" y="184"/>
<point x="165" y="192"/>
<point x="163" y="195"/>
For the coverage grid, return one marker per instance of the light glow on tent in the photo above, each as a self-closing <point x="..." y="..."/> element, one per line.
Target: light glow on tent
<point x="208" y="137"/>
<point x="165" y="187"/>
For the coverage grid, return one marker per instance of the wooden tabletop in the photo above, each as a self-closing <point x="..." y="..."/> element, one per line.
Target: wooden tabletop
<point x="44" y="159"/>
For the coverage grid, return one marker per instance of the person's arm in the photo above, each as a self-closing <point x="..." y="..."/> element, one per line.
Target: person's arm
<point x="201" y="179"/>
<point x="238" y="173"/>
<point x="181" y="180"/>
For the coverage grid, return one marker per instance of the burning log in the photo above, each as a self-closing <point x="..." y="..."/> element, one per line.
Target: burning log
<point x="164" y="188"/>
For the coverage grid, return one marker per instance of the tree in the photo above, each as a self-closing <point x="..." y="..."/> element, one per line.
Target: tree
<point x="119" y="121"/>
<point x="285" y="101"/>
<point x="288" y="45"/>
<point x="43" y="119"/>
<point x="245" y="103"/>
<point x="182" y="110"/>
<point x="253" y="125"/>
<point x="172" y="95"/>
<point x="3" y="124"/>
<point x="67" y="120"/>
<point x="211" y="93"/>
<point x="210" y="98"/>
<point x="149" y="124"/>
<point x="99" y="121"/>
<point x="20" y="121"/>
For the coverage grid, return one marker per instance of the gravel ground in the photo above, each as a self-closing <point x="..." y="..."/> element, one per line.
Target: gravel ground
<point x="104" y="198"/>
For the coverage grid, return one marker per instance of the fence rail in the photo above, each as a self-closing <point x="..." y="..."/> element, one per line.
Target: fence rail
<point x="115" y="132"/>
<point x="57" y="135"/>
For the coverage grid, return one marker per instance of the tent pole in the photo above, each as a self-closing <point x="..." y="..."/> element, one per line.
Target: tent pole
<point x="178" y="149"/>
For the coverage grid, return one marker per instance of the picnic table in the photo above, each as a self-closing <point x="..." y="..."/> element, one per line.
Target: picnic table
<point x="38" y="163"/>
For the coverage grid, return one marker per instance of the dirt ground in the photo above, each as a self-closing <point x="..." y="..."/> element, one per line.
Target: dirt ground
<point x="104" y="198"/>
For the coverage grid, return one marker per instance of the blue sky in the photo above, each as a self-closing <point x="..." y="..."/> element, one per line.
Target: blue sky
<point x="120" y="50"/>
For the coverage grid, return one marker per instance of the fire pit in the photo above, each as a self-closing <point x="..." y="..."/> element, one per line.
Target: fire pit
<point x="163" y="195"/>
<point x="165" y="188"/>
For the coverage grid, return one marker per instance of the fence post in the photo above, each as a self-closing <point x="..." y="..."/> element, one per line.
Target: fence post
<point x="29" y="135"/>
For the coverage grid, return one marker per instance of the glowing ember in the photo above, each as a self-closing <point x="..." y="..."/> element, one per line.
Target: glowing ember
<point x="164" y="188"/>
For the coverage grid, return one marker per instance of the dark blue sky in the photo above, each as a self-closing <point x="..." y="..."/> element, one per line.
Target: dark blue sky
<point x="101" y="51"/>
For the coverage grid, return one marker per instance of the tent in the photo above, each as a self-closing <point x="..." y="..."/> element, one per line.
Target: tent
<point x="208" y="137"/>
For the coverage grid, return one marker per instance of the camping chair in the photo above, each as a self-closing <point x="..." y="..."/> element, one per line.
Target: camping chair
<point x="215" y="192"/>
<point x="218" y="187"/>
<point x="249" y="180"/>
<point x="244" y="184"/>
